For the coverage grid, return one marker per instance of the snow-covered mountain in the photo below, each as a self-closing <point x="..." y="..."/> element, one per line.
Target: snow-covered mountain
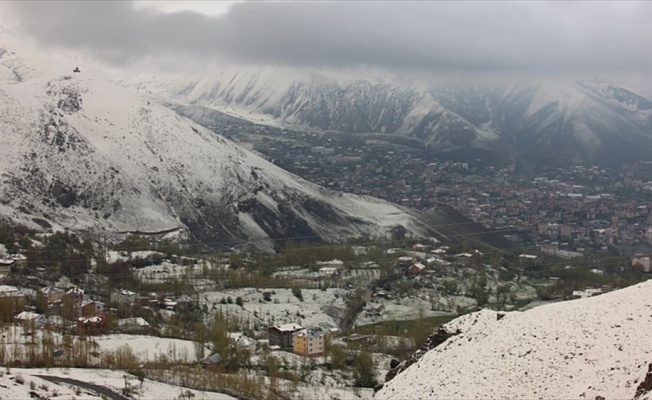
<point x="83" y="153"/>
<point x="580" y="349"/>
<point x="553" y="122"/>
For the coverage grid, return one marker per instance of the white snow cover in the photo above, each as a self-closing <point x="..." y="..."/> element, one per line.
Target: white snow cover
<point x="113" y="380"/>
<point x="130" y="164"/>
<point x="580" y="349"/>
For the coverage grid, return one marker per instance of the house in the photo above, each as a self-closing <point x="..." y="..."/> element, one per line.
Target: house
<point x="332" y="263"/>
<point x="420" y="247"/>
<point x="168" y="304"/>
<point x="643" y="263"/>
<point x="6" y="263"/>
<point x="528" y="260"/>
<point x="53" y="294"/>
<point x="93" y="325"/>
<point x="92" y="307"/>
<point x="34" y="319"/>
<point x="19" y="258"/>
<point x="211" y="360"/>
<point x="308" y="342"/>
<point x="437" y="260"/>
<point x="10" y="291"/>
<point x="123" y="296"/>
<point x="75" y="294"/>
<point x="416" y="269"/>
<point x="281" y="335"/>
<point x="328" y="271"/>
<point x="12" y="298"/>
<point x="242" y="342"/>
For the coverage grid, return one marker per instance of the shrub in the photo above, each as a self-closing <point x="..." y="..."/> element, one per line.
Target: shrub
<point x="297" y="293"/>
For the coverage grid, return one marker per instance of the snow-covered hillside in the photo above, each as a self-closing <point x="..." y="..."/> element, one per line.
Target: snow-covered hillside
<point x="84" y="153"/>
<point x="579" y="349"/>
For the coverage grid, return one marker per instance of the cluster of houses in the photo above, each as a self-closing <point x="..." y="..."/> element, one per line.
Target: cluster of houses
<point x="63" y="304"/>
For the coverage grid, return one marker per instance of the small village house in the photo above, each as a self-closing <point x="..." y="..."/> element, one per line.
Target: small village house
<point x="281" y="335"/>
<point x="94" y="325"/>
<point x="328" y="271"/>
<point x="53" y="294"/>
<point x="528" y="260"/>
<point x="243" y="343"/>
<point x="75" y="294"/>
<point x="91" y="308"/>
<point x="211" y="360"/>
<point x="643" y="263"/>
<point x="123" y="296"/>
<point x="31" y="319"/>
<point x="416" y="269"/>
<point x="332" y="263"/>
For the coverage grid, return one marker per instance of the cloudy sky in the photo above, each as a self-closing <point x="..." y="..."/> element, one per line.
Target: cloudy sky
<point x="530" y="37"/>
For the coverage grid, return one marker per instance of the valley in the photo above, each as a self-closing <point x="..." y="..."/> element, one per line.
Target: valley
<point x="156" y="309"/>
<point x="246" y="204"/>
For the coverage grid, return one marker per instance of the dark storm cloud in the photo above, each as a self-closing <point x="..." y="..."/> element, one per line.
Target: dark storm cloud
<point x="534" y="37"/>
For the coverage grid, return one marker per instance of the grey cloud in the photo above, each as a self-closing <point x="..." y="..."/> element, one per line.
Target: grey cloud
<point x="536" y="37"/>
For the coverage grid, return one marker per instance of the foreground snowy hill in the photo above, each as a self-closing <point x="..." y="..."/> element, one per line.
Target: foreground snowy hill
<point x="579" y="349"/>
<point x="83" y="153"/>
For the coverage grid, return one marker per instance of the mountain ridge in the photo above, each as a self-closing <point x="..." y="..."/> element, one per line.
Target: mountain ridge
<point x="555" y="122"/>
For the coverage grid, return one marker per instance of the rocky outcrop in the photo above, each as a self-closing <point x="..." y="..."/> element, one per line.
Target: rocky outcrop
<point x="646" y="385"/>
<point x="435" y="339"/>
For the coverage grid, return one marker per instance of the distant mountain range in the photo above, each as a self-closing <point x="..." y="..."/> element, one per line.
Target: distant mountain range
<point x="529" y="123"/>
<point x="583" y="349"/>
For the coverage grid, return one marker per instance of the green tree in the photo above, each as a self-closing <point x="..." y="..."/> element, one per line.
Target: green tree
<point x="337" y="356"/>
<point x="364" y="370"/>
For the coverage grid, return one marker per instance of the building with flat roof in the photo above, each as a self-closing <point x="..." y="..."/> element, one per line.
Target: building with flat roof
<point x="281" y="335"/>
<point x="308" y="343"/>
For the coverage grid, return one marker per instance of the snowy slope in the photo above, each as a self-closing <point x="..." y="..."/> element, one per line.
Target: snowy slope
<point x="34" y="386"/>
<point x="84" y="153"/>
<point x="579" y="349"/>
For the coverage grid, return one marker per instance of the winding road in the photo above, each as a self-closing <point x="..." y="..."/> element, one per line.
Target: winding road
<point x="101" y="390"/>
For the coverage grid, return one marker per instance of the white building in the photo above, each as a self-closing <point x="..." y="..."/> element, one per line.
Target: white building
<point x="642" y="263"/>
<point x="328" y="271"/>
